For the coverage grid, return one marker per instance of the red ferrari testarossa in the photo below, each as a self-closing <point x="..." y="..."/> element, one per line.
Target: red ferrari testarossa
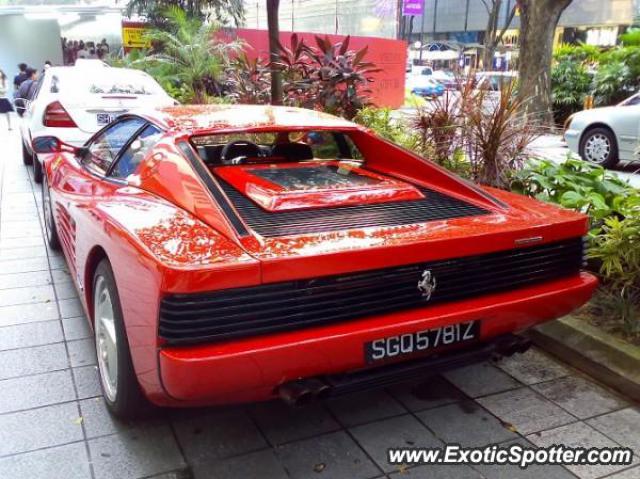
<point x="241" y="253"/>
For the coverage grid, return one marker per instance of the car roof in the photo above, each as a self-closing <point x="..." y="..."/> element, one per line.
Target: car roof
<point x="202" y="119"/>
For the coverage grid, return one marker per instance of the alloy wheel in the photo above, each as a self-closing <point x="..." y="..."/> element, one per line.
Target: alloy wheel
<point x="106" y="339"/>
<point x="597" y="149"/>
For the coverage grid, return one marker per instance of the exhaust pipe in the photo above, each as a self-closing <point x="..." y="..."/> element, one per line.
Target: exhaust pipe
<point x="511" y="345"/>
<point x="302" y="391"/>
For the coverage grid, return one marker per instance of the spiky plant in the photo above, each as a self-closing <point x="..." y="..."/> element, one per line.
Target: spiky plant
<point x="190" y="54"/>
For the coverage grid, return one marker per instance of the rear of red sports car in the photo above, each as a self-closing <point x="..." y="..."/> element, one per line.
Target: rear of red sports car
<point x="343" y="263"/>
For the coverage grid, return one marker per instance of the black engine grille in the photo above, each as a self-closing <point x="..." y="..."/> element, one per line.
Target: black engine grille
<point x="293" y="305"/>
<point x="434" y="206"/>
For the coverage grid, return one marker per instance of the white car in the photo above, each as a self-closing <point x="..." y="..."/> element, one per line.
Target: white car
<point x="606" y="135"/>
<point x="73" y="103"/>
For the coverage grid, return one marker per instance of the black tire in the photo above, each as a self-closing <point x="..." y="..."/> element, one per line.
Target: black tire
<point x="37" y="169"/>
<point x="50" y="230"/>
<point x="27" y="159"/>
<point x="129" y="401"/>
<point x="598" y="145"/>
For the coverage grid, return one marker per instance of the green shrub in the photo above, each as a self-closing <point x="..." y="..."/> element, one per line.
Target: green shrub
<point x="612" y="83"/>
<point x="617" y="249"/>
<point x="614" y="209"/>
<point x="382" y="122"/>
<point x="631" y="37"/>
<point x="570" y="83"/>
<point x="580" y="53"/>
<point x="577" y="185"/>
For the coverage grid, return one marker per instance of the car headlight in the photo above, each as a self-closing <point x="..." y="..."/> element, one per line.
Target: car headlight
<point x="567" y="125"/>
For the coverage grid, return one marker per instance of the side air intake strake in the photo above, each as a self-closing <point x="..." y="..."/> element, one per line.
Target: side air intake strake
<point x="286" y="306"/>
<point x="434" y="206"/>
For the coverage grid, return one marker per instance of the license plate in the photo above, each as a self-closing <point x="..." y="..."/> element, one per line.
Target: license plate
<point x="421" y="341"/>
<point x="104" y="118"/>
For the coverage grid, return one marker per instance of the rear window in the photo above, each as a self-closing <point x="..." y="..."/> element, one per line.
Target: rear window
<point x="106" y="81"/>
<point x="278" y="145"/>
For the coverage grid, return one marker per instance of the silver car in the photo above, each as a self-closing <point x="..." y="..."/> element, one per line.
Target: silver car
<point x="605" y="136"/>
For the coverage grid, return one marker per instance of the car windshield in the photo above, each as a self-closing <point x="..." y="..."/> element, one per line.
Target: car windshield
<point x="632" y="100"/>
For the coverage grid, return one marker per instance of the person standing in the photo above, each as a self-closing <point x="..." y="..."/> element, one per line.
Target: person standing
<point x="82" y="52"/>
<point x="26" y="90"/>
<point x="104" y="46"/>
<point x="20" y="77"/>
<point x="5" y="105"/>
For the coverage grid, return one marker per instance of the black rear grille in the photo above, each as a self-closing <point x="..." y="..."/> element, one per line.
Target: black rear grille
<point x="434" y="206"/>
<point x="270" y="308"/>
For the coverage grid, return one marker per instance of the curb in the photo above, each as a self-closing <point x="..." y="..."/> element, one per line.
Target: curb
<point x="599" y="354"/>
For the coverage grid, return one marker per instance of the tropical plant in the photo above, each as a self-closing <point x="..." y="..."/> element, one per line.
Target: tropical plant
<point x="617" y="248"/>
<point x="612" y="83"/>
<point x="631" y="37"/>
<point x="581" y="53"/>
<point x="223" y="11"/>
<point x="580" y="186"/>
<point x="327" y="77"/>
<point x="570" y="83"/>
<point x="248" y="80"/>
<point x="498" y="135"/>
<point x="189" y="54"/>
<point x="439" y="127"/>
<point x="382" y="122"/>
<point x="614" y="210"/>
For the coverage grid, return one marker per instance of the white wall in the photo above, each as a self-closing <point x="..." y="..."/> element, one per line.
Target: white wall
<point x="29" y="41"/>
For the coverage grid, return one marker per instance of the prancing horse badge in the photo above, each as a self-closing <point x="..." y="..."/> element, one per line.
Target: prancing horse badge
<point x="427" y="284"/>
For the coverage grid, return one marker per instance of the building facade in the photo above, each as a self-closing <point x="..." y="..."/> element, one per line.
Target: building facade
<point x="464" y="21"/>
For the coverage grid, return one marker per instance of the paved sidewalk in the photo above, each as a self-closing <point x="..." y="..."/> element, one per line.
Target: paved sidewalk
<point x="53" y="423"/>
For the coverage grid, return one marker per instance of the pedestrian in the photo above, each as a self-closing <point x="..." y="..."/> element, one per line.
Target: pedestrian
<point x="82" y="52"/>
<point x="104" y="46"/>
<point x="26" y="90"/>
<point x="5" y="105"/>
<point x="20" y="77"/>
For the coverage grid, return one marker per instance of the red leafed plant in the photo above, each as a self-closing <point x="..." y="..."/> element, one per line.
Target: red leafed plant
<point x="248" y="80"/>
<point x="327" y="77"/>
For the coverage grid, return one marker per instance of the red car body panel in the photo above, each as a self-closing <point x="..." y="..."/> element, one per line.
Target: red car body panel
<point x="164" y="233"/>
<point x="247" y="370"/>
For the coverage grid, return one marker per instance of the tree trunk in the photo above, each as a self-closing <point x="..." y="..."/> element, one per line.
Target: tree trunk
<point x="273" y="6"/>
<point x="539" y="19"/>
<point x="490" y="34"/>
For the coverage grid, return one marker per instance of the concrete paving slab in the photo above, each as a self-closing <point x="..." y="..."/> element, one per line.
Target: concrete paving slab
<point x="526" y="410"/>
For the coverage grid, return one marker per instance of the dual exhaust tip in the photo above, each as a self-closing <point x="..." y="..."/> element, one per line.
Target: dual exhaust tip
<point x="303" y="391"/>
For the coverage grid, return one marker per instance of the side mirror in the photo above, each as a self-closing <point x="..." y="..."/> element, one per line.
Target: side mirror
<point x="51" y="144"/>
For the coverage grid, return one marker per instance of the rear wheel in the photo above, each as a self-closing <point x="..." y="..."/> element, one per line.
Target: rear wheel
<point x="49" y="223"/>
<point x="599" y="146"/>
<point x="37" y="169"/>
<point x="119" y="383"/>
<point x="27" y="159"/>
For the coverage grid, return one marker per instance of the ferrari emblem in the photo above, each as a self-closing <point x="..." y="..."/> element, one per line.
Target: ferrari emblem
<point x="427" y="284"/>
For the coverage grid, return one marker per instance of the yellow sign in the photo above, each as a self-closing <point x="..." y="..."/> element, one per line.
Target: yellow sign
<point x="133" y="37"/>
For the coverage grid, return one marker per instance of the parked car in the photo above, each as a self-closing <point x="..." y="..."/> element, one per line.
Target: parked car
<point x="494" y="81"/>
<point x="605" y="136"/>
<point x="242" y="253"/>
<point x="426" y="87"/>
<point x="444" y="77"/>
<point x="72" y="103"/>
